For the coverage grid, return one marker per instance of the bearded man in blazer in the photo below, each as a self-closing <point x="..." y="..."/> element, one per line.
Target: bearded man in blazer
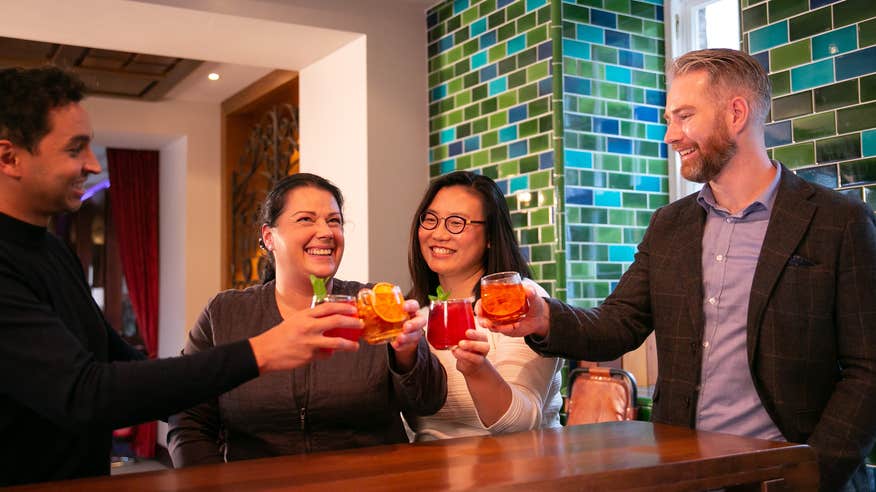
<point x="760" y="289"/>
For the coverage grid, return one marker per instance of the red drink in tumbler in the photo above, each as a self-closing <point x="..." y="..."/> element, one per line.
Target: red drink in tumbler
<point x="448" y="321"/>
<point x="352" y="334"/>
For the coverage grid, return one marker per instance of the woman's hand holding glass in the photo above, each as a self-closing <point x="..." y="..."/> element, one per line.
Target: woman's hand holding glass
<point x="405" y="344"/>
<point x="536" y="322"/>
<point x="297" y="340"/>
<point x="471" y="354"/>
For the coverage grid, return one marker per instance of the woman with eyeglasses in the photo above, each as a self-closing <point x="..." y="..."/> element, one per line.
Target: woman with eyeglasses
<point x="495" y="384"/>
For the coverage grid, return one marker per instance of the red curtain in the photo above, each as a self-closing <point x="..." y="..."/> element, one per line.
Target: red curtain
<point x="134" y="204"/>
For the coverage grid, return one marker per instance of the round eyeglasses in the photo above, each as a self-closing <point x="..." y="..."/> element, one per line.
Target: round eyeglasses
<point x="453" y="223"/>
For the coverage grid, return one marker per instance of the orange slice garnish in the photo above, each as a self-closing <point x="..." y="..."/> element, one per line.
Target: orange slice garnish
<point x="388" y="303"/>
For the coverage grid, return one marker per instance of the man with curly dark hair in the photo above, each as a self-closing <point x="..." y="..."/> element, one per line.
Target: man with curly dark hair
<point x="66" y="377"/>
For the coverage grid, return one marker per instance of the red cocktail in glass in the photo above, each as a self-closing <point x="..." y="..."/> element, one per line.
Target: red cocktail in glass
<point x="448" y="321"/>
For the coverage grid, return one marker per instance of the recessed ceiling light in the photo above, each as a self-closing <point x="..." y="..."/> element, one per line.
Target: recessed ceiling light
<point x="213" y="76"/>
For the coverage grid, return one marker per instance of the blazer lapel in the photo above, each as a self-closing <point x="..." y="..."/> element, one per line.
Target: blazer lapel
<point x="789" y="220"/>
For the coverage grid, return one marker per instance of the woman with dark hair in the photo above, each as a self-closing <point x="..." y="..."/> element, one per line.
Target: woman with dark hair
<point x="495" y="384"/>
<point x="345" y="400"/>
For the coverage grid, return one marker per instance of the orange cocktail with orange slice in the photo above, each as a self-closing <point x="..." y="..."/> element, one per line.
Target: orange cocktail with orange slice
<point x="503" y="298"/>
<point x="382" y="310"/>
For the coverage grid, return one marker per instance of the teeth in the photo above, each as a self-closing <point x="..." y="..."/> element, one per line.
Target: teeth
<point x="442" y="251"/>
<point x="319" y="251"/>
<point x="685" y="152"/>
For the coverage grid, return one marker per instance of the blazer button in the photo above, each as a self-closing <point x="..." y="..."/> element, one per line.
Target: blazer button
<point x="687" y="401"/>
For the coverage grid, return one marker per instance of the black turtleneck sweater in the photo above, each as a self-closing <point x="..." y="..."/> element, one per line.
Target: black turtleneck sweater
<point x="67" y="379"/>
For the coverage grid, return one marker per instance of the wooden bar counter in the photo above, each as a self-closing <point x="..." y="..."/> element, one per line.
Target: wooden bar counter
<point x="610" y="456"/>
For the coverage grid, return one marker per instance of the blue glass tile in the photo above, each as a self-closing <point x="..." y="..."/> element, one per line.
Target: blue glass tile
<point x="664" y="150"/>
<point x="459" y="6"/>
<point x="524" y="252"/>
<point x="655" y="2"/>
<point x="477" y="27"/>
<point x="777" y="134"/>
<point x="657" y="98"/>
<point x="579" y="196"/>
<point x="447" y="135"/>
<point x="655" y="132"/>
<point x="546" y="159"/>
<point x="618" y="74"/>
<point x="619" y="252"/>
<point x="768" y="37"/>
<point x="516" y="44"/>
<point x="498" y="86"/>
<point x="604" y="125"/>
<point x="518" y="183"/>
<point x="647" y="183"/>
<point x="432" y="19"/>
<point x="545" y="50"/>
<point x="455" y="149"/>
<point x="812" y="75"/>
<point x="503" y="185"/>
<point x="534" y="4"/>
<point x="472" y="143"/>
<point x="856" y="63"/>
<point x="631" y="59"/>
<point x="834" y="42"/>
<point x="578" y="158"/>
<point x="823" y="175"/>
<point x="545" y="86"/>
<point x="502" y="3"/>
<point x="508" y="133"/>
<point x="576" y="49"/>
<point x="620" y="145"/>
<point x="617" y="39"/>
<point x="603" y="18"/>
<point x="764" y="59"/>
<point x="868" y="143"/>
<point x="445" y="43"/>
<point x="607" y="198"/>
<point x="517" y="149"/>
<point x="517" y="113"/>
<point x="586" y="32"/>
<point x="814" y="4"/>
<point x="575" y="85"/>
<point x="660" y="12"/>
<point x="488" y="72"/>
<point x="439" y="92"/>
<point x="447" y="166"/>
<point x="646" y="113"/>
<point x="478" y="60"/>
<point x="487" y="39"/>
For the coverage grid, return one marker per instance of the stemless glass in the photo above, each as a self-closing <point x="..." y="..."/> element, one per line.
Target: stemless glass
<point x="382" y="310"/>
<point x="352" y="334"/>
<point x="448" y="321"/>
<point x="503" y="298"/>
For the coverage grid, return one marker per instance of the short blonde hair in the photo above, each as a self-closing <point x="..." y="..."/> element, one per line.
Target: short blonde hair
<point x="729" y="71"/>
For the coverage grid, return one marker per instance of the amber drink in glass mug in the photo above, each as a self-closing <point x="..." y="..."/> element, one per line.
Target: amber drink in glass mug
<point x="382" y="310"/>
<point x="503" y="298"/>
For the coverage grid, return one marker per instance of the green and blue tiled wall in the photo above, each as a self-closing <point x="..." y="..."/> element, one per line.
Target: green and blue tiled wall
<point x="560" y="103"/>
<point x="821" y="56"/>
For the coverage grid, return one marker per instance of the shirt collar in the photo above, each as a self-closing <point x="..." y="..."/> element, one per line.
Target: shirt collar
<point x="706" y="198"/>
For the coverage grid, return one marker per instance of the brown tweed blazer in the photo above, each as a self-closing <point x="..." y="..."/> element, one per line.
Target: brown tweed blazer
<point x="811" y="320"/>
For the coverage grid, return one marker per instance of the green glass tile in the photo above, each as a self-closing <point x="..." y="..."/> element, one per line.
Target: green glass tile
<point x="529" y="164"/>
<point x="754" y="17"/>
<point x="528" y="236"/>
<point x="867" y="33"/>
<point x="480" y="158"/>
<point x="605" y="90"/>
<point x="440" y="153"/>
<point x="540" y="180"/>
<point x="609" y="234"/>
<point x="548" y="234"/>
<point x="505" y="32"/>
<point x="608" y="162"/>
<point x="469" y="16"/>
<point x="489" y="139"/>
<point x="622" y="6"/>
<point x="454" y="86"/>
<point x="462" y="98"/>
<point x="463" y="162"/>
<point x="815" y="126"/>
<point x="793" y="105"/>
<point x="782" y="9"/>
<point x="796" y="155"/>
<point x="517" y="79"/>
<point x="598" y="252"/>
<point x="634" y="165"/>
<point x="608" y="271"/>
<point x="479" y="92"/>
<point x="537" y="35"/>
<point x="593" y="215"/>
<point x="790" y="55"/>
<point x="545" y="123"/>
<point x="655" y="63"/>
<point x="836" y="95"/>
<point x="657" y="201"/>
<point x="619" y="109"/>
<point x="809" y="24"/>
<point x="540" y="217"/>
<point x="849" y="11"/>
<point x="507" y="99"/>
<point x="856" y="118"/>
<point x="460" y="36"/>
<point x="434" y="170"/>
<point x="492" y="172"/>
<point x="643" y="217"/>
<point x="480" y="125"/>
<point x="526" y="22"/>
<point x="635" y="200"/>
<point x="496" y="19"/>
<point x="470" y="80"/>
<point x="489" y="105"/>
<point x="576" y="13"/>
<point x="582" y="270"/>
<point x="470" y="47"/>
<point x="840" y="148"/>
<point x="569" y="30"/>
<point x="780" y="83"/>
<point x="539" y="106"/>
<point x="642" y="9"/>
<point x="633" y="236"/>
<point x="653" y="29"/>
<point x="644" y="79"/>
<point x="603" y="54"/>
<point x="868" y="87"/>
<point x="508" y="169"/>
<point x="515" y="10"/>
<point x="497" y="52"/>
<point x="659" y="167"/>
<point x="539" y="143"/>
<point x="527" y="92"/>
<point x="463" y="130"/>
<point x="537" y="71"/>
<point x="620" y="181"/>
<point x="858" y="172"/>
<point x="498" y="119"/>
<point x="498" y="153"/>
<point x="643" y="44"/>
<point x="540" y="253"/>
<point x="527" y="128"/>
<point x="621" y="217"/>
<point x="454" y="23"/>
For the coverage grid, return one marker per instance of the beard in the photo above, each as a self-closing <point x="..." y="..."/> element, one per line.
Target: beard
<point x="714" y="155"/>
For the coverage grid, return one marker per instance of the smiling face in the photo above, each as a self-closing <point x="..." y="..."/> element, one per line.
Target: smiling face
<point x="308" y="235"/>
<point x="455" y="255"/>
<point x="52" y="178"/>
<point x="696" y="127"/>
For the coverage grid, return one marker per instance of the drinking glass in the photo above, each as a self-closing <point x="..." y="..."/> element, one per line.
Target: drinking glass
<point x="352" y="334"/>
<point x="503" y="298"/>
<point x="448" y="321"/>
<point x="382" y="310"/>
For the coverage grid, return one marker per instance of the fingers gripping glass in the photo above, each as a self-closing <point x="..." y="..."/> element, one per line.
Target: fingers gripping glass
<point x="453" y="223"/>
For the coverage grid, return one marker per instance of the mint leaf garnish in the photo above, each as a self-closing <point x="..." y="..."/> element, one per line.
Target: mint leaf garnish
<point x="318" y="285"/>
